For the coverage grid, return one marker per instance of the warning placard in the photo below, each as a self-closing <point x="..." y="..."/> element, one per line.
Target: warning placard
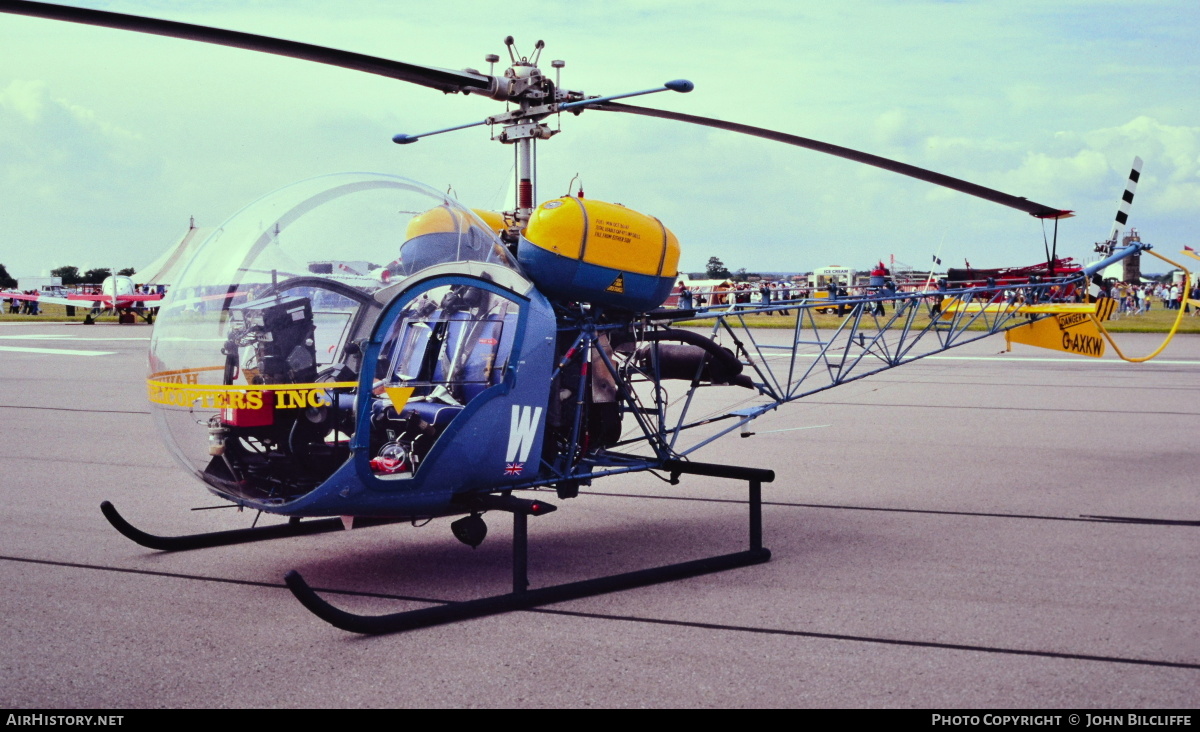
<point x="1069" y="332"/>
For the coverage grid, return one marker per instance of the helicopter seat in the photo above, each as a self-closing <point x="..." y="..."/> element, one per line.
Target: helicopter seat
<point x="456" y="326"/>
<point x="435" y="413"/>
<point x="480" y="369"/>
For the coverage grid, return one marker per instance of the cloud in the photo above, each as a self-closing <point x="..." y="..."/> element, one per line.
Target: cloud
<point x="25" y="99"/>
<point x="1170" y="175"/>
<point x="50" y="143"/>
<point x="1048" y="101"/>
<point x="1174" y="150"/>
<point x="1074" y="172"/>
<point x="64" y="171"/>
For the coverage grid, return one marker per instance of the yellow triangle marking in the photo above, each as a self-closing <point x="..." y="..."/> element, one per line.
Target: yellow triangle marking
<point x="618" y="284"/>
<point x="399" y="396"/>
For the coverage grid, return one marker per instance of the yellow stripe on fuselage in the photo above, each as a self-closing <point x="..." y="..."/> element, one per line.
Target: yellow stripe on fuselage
<point x="241" y="396"/>
<point x="951" y="307"/>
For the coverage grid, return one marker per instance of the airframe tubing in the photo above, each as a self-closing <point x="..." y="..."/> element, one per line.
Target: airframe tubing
<point x="523" y="599"/>
<point x="1187" y="278"/>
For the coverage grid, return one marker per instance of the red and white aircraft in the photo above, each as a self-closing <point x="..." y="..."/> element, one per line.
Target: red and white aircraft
<point x="117" y="293"/>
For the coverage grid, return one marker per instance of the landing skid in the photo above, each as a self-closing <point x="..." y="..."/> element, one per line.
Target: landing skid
<point x="294" y="527"/>
<point x="523" y="598"/>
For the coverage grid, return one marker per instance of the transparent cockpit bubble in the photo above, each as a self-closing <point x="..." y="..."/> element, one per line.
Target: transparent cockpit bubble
<point x="296" y="270"/>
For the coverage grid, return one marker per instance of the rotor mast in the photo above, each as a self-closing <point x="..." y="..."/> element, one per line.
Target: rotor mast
<point x="536" y="97"/>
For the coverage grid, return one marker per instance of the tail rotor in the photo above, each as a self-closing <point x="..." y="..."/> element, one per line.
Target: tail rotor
<point x="1108" y="246"/>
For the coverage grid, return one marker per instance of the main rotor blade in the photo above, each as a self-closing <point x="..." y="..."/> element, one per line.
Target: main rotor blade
<point x="441" y="79"/>
<point x="1017" y="202"/>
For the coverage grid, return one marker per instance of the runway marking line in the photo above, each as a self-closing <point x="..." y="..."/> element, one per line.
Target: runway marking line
<point x="56" y="351"/>
<point x="50" y="337"/>
<point x="654" y="621"/>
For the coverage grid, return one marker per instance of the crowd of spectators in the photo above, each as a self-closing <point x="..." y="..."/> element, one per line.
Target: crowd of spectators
<point x="1138" y="299"/>
<point x="1131" y="299"/>
<point x="24" y="307"/>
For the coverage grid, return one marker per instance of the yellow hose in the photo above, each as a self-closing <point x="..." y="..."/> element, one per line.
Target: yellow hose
<point x="1187" y="278"/>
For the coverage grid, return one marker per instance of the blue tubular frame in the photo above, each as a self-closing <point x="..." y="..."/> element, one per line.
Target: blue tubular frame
<point x="863" y="344"/>
<point x="863" y="339"/>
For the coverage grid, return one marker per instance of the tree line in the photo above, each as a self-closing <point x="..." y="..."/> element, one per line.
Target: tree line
<point x="70" y="276"/>
<point x="716" y="270"/>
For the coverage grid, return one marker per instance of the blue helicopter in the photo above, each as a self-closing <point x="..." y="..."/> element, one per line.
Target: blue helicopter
<point x="496" y="354"/>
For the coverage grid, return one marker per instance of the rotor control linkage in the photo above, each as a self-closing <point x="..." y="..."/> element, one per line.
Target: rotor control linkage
<point x="683" y="86"/>
<point x="677" y="85"/>
<point x="295" y="527"/>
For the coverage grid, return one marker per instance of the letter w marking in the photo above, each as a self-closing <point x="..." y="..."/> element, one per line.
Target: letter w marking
<point x="522" y="431"/>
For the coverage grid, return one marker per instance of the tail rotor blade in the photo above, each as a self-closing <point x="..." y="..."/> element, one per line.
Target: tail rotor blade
<point x="1126" y="202"/>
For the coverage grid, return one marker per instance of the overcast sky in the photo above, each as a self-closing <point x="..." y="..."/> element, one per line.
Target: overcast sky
<point x="110" y="140"/>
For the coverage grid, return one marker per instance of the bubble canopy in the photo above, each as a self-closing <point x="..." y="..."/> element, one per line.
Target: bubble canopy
<point x="357" y="222"/>
<point x="260" y="327"/>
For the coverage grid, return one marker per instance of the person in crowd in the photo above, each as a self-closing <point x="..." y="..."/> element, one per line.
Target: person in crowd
<point x="685" y="296"/>
<point x="764" y="294"/>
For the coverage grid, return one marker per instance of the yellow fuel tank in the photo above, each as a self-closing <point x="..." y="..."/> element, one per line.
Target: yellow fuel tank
<point x="582" y="250"/>
<point x="444" y="234"/>
<point x="443" y="219"/>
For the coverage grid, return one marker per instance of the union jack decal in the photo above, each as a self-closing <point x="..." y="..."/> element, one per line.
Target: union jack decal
<point x="514" y="468"/>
